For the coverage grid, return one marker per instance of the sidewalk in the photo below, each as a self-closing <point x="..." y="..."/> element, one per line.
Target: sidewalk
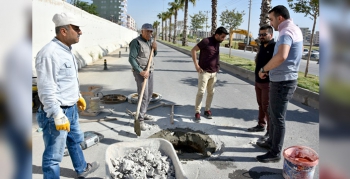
<point x="234" y="110"/>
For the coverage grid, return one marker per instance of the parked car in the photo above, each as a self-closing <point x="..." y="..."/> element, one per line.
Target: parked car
<point x="313" y="56"/>
<point x="305" y="51"/>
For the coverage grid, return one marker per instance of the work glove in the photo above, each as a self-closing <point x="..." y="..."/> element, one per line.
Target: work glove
<point x="62" y="122"/>
<point x="81" y="103"/>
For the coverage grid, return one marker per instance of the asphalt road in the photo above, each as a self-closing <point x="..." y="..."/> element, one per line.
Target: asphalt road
<point x="234" y="110"/>
<point x="313" y="66"/>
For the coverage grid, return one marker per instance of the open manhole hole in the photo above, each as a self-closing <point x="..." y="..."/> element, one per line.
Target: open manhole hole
<point x="189" y="144"/>
<point x="111" y="98"/>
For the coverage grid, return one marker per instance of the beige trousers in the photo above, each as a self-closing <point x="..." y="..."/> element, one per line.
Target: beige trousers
<point x="205" y="81"/>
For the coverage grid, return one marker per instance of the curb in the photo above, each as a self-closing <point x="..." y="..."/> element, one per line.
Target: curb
<point x="301" y="95"/>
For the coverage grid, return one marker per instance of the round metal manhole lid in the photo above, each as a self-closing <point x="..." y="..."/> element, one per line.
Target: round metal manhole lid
<point x="134" y="97"/>
<point x="113" y="98"/>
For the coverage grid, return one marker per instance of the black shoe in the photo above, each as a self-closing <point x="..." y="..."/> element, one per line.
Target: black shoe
<point x="91" y="167"/>
<point x="197" y="117"/>
<point x="265" y="137"/>
<point x="257" y="128"/>
<point x="208" y="114"/>
<point x="268" y="158"/>
<point x="264" y="144"/>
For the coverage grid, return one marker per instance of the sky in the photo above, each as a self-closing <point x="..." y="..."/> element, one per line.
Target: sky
<point x="145" y="11"/>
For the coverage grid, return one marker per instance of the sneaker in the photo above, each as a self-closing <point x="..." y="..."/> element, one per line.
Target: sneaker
<point x="265" y="137"/>
<point x="91" y="167"/>
<point x="148" y="117"/>
<point x="264" y="144"/>
<point x="208" y="114"/>
<point x="197" y="117"/>
<point x="268" y="158"/>
<point x="257" y="128"/>
<point x="143" y="126"/>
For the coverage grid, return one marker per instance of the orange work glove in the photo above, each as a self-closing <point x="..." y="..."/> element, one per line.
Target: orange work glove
<point x="81" y="103"/>
<point x="62" y="122"/>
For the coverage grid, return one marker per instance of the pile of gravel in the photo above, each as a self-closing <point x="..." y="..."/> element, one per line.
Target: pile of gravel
<point x="143" y="164"/>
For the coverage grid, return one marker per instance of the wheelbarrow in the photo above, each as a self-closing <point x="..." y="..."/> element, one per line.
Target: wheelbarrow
<point x="121" y="149"/>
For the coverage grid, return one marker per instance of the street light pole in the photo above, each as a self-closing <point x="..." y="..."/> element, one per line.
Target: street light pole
<point x="250" y="7"/>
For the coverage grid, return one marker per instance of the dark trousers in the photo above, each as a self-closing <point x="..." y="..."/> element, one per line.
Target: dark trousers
<point x="280" y="94"/>
<point x="262" y="97"/>
<point x="147" y="96"/>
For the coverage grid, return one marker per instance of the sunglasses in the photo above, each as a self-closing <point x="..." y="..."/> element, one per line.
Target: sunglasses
<point x="264" y="34"/>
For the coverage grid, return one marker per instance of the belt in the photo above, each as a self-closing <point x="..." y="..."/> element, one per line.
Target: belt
<point x="63" y="107"/>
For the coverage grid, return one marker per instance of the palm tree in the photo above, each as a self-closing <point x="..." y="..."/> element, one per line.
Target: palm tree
<point x="214" y="5"/>
<point x="184" y="33"/>
<point x="155" y="26"/>
<point x="161" y="17"/>
<point x="264" y="16"/>
<point x="169" y="15"/>
<point x="176" y="5"/>
<point x="166" y="17"/>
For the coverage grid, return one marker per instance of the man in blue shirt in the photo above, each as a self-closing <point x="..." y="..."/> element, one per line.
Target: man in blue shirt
<point x="58" y="89"/>
<point x="283" y="72"/>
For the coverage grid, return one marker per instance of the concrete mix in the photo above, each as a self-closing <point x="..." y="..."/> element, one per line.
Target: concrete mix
<point x="143" y="164"/>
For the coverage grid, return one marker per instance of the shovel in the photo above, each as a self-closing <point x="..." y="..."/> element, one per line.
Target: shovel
<point x="137" y="127"/>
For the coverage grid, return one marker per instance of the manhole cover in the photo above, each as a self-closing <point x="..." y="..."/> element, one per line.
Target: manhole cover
<point x="188" y="144"/>
<point x="134" y="97"/>
<point x="113" y="98"/>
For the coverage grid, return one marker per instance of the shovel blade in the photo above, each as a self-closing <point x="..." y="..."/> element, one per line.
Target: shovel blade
<point x="137" y="127"/>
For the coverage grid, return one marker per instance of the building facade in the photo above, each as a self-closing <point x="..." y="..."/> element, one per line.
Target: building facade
<point x="130" y="23"/>
<point x="113" y="10"/>
<point x="306" y="34"/>
<point x="316" y="38"/>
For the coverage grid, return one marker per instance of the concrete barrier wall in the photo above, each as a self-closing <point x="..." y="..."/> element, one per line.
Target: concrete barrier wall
<point x="302" y="95"/>
<point x="99" y="37"/>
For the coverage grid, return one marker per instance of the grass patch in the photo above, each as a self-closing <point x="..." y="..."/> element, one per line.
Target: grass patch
<point x="238" y="61"/>
<point x="311" y="82"/>
<point x="313" y="47"/>
<point x="177" y="45"/>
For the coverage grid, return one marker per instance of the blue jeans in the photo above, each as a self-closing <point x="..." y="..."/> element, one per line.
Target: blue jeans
<point x="55" y="142"/>
<point x="280" y="94"/>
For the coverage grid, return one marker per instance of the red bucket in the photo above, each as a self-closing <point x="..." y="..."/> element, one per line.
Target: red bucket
<point x="299" y="162"/>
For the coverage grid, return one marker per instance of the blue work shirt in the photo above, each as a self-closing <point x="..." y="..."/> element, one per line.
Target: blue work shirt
<point x="57" y="77"/>
<point x="291" y="35"/>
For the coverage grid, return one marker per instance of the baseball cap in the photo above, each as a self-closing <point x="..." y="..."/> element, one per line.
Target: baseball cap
<point x="65" y="19"/>
<point x="147" y="27"/>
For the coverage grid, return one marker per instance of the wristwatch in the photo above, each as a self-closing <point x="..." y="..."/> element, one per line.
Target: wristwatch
<point x="262" y="70"/>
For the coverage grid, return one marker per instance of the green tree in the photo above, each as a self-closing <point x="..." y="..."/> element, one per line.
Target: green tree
<point x="90" y="8"/>
<point x="175" y="6"/>
<point x="184" y="33"/>
<point x="155" y="26"/>
<point x="214" y="5"/>
<point x="162" y="18"/>
<point x="309" y="8"/>
<point x="198" y="21"/>
<point x="167" y="15"/>
<point x="231" y="19"/>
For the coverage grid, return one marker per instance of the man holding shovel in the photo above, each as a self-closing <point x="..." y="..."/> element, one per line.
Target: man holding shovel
<point x="140" y="53"/>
